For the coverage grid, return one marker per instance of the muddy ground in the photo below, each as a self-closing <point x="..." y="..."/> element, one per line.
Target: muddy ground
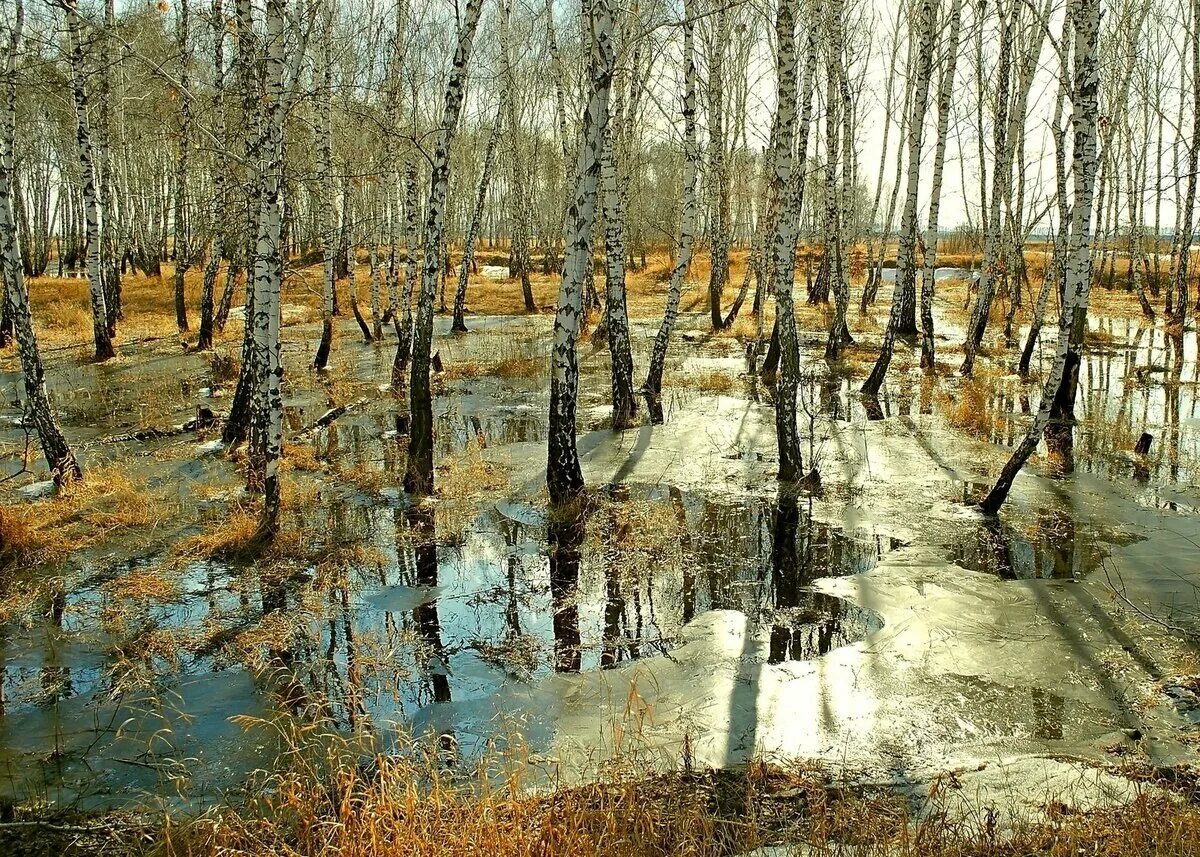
<point x="879" y="625"/>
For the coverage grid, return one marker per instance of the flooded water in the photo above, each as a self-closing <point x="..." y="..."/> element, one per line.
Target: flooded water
<point x="474" y="616"/>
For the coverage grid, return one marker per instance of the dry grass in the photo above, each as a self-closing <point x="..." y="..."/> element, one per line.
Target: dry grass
<point x="230" y="534"/>
<point x="62" y="315"/>
<point x="971" y="408"/>
<point x="106" y="503"/>
<point x="420" y="802"/>
<point x="145" y="583"/>
<point x="301" y="456"/>
<point x="633" y="533"/>
<point x="464" y="485"/>
<point x="707" y="382"/>
<point x="510" y="367"/>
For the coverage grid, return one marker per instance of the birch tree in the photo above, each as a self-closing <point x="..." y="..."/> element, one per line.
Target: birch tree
<point x="564" y="476"/>
<point x="64" y="468"/>
<point x="91" y="199"/>
<point x="418" y="476"/>
<point x="459" y="323"/>
<point x="324" y="131"/>
<point x="181" y="168"/>
<point x="1012" y="96"/>
<point x="718" y="167"/>
<point x="621" y="358"/>
<point x="247" y="71"/>
<point x="835" y="263"/>
<point x="268" y="276"/>
<point x="1179" y="276"/>
<point x="216" y="229"/>
<point x="688" y="214"/>
<point x="928" y="272"/>
<point x="519" y="261"/>
<point x="786" y="231"/>
<point x="1063" y="375"/>
<point x="906" y="255"/>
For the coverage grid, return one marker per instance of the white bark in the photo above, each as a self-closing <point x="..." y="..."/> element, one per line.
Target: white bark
<point x="91" y="199"/>
<point x="1085" y="15"/>
<point x="687" y="219"/>
<point x="59" y="457"/>
<point x="418" y="477"/>
<point x="564" y="476"/>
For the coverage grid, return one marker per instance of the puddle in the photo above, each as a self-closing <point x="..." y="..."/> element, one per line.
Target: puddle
<point x="511" y="601"/>
<point x="1048" y="547"/>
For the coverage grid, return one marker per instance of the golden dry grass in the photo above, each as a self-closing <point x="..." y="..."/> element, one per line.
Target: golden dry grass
<point x="510" y="367"/>
<point x="408" y="805"/>
<point x="400" y="806"/>
<point x="464" y="484"/>
<point x="106" y="503"/>
<point x="706" y="382"/>
<point x="971" y="408"/>
<point x="632" y="533"/>
<point x="230" y="533"/>
<point x="62" y="316"/>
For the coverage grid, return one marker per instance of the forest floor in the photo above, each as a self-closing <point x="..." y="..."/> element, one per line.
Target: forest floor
<point x="444" y="678"/>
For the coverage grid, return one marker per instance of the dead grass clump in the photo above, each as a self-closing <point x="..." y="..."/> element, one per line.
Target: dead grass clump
<point x="86" y="512"/>
<point x="633" y="533"/>
<point x="29" y="536"/>
<point x="972" y="409"/>
<point x="232" y="534"/>
<point x="424" y="801"/>
<point x="228" y="538"/>
<point x="470" y="476"/>
<point x="302" y="456"/>
<point x="464" y="485"/>
<point x="147" y="583"/>
<point x="223" y="367"/>
<point x="511" y="367"/>
<point x="709" y="382"/>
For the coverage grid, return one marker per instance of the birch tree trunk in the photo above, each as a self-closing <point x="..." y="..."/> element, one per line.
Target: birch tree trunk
<point x="418" y="476"/>
<point x="869" y="289"/>
<point x="324" y="132"/>
<point x="564" y="477"/>
<point x="352" y="269"/>
<point x="403" y="322"/>
<point x="1003" y="142"/>
<point x="61" y="460"/>
<point x="1063" y="377"/>
<point x="621" y="357"/>
<point x="519" y="262"/>
<point x="1188" y="211"/>
<point x="216" y="231"/>
<point x="839" y="333"/>
<point x="91" y="200"/>
<point x="945" y="91"/>
<point x="376" y="281"/>
<point x="181" y="165"/>
<point x="1057" y="268"/>
<point x="783" y="242"/>
<point x="906" y="256"/>
<point x="719" y="273"/>
<point x="268" y="274"/>
<point x="238" y="421"/>
<point x="687" y="219"/>
<point x="110" y="229"/>
<point x="459" y="325"/>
